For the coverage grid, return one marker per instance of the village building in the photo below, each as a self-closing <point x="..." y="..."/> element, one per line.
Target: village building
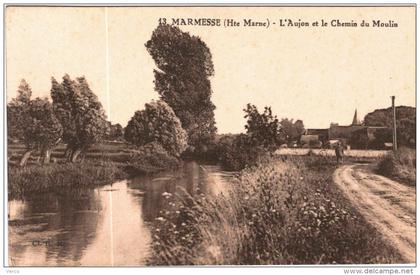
<point x="355" y="135"/>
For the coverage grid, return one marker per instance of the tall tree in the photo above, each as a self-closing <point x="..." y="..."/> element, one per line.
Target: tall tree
<point x="15" y="109"/>
<point x="157" y="123"/>
<point x="33" y="122"/>
<point x="81" y="114"/>
<point x="184" y="66"/>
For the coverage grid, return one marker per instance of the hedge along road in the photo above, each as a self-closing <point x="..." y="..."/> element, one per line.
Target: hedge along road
<point x="388" y="205"/>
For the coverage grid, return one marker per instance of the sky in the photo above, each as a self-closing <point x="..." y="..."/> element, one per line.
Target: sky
<point x="318" y="75"/>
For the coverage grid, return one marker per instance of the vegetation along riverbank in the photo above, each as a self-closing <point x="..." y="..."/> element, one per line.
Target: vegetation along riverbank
<point x="277" y="212"/>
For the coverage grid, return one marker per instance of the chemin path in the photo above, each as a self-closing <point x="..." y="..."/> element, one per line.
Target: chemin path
<point x="386" y="204"/>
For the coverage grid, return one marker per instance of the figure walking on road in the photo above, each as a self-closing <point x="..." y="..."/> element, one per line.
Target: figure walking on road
<point x="339" y="152"/>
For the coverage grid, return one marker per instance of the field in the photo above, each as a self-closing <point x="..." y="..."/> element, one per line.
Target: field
<point x="331" y="152"/>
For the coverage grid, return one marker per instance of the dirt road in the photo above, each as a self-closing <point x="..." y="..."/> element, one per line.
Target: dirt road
<point x="386" y="204"/>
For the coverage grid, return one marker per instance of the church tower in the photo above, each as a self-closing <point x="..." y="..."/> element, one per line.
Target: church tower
<point x="356" y="120"/>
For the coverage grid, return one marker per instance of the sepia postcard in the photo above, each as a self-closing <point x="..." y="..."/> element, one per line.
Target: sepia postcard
<point x="210" y="135"/>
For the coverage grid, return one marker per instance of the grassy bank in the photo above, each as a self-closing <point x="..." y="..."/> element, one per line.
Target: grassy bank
<point x="36" y="178"/>
<point x="102" y="165"/>
<point x="284" y="211"/>
<point x="399" y="165"/>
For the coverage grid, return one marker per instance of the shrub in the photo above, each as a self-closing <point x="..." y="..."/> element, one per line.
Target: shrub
<point x="157" y="123"/>
<point x="151" y="158"/>
<point x="239" y="151"/>
<point x="400" y="165"/>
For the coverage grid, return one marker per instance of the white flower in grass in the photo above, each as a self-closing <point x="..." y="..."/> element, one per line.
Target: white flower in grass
<point x="166" y="194"/>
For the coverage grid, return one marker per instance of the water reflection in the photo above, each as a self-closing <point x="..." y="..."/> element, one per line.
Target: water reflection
<point x="47" y="228"/>
<point x="105" y="226"/>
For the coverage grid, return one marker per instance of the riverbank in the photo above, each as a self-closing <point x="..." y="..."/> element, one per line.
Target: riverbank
<point x="37" y="178"/>
<point x="283" y="211"/>
<point x="101" y="165"/>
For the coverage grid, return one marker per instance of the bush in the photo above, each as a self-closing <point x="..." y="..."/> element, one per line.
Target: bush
<point x="275" y="213"/>
<point x="239" y="151"/>
<point x="151" y="158"/>
<point x="157" y="123"/>
<point x="400" y="165"/>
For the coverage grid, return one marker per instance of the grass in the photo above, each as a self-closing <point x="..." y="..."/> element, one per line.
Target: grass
<point x="32" y="179"/>
<point x="283" y="211"/>
<point x="399" y="165"/>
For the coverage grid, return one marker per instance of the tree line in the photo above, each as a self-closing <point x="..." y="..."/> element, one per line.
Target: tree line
<point x="183" y="118"/>
<point x="181" y="121"/>
<point x="75" y="117"/>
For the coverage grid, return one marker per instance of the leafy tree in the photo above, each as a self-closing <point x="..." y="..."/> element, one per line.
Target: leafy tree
<point x="115" y="131"/>
<point x="300" y="128"/>
<point x="263" y="128"/>
<point x="406" y="131"/>
<point x="406" y="123"/>
<point x="33" y="122"/>
<point x="381" y="136"/>
<point x="157" y="123"/>
<point x="359" y="139"/>
<point x="80" y="113"/>
<point x="184" y="66"/>
<point x="292" y="131"/>
<point x="42" y="130"/>
<point x="15" y="110"/>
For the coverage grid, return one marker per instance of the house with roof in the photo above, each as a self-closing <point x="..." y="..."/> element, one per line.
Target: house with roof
<point x="355" y="135"/>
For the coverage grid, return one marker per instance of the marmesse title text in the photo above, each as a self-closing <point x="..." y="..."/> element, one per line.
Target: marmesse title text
<point x="282" y="23"/>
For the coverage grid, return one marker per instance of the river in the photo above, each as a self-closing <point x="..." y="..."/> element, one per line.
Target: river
<point x="105" y="226"/>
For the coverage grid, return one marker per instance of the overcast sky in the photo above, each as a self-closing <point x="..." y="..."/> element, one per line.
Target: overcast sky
<point x="319" y="75"/>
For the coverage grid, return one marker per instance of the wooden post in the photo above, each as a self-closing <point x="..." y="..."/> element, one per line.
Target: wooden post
<point x="394" y="125"/>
